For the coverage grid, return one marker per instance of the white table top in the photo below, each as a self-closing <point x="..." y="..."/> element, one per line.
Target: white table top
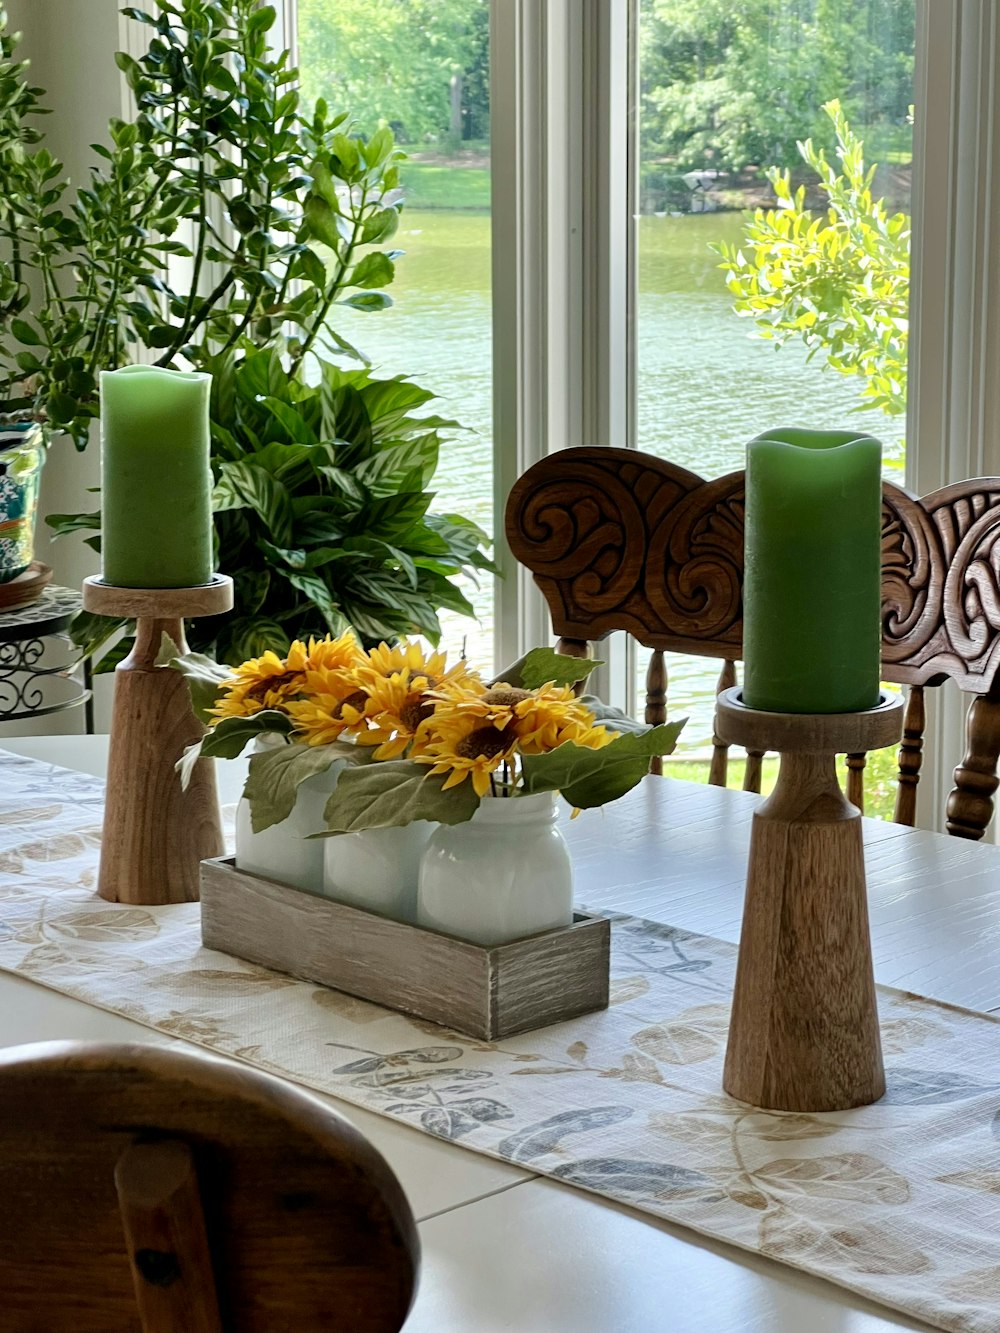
<point x="506" y="1250"/>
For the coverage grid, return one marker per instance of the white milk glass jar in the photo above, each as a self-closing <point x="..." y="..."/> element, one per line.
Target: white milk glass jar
<point x="503" y="874"/>
<point x="284" y="852"/>
<point x="377" y="869"/>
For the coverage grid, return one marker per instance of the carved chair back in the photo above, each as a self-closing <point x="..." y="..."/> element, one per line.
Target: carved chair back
<point x="620" y="540"/>
<point x="148" y="1188"/>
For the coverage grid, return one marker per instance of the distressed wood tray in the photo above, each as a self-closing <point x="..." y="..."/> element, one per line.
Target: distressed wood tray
<point x="489" y="993"/>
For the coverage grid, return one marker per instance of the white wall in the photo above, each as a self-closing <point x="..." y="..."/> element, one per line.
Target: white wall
<point x="71" y="45"/>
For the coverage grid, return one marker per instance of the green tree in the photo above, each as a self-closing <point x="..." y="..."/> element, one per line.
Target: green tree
<point x="839" y="282"/>
<point x="729" y="83"/>
<point x="393" y="62"/>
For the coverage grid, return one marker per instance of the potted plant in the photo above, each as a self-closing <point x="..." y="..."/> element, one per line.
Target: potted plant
<point x="220" y="229"/>
<point x="394" y="739"/>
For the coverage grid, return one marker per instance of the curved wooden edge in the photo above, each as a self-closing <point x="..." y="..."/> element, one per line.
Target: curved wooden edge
<point x="207" y="599"/>
<point x="327" y="1127"/>
<point x="809" y="733"/>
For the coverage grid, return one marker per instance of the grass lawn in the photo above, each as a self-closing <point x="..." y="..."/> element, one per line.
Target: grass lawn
<point x="433" y="186"/>
<point x="880" y="777"/>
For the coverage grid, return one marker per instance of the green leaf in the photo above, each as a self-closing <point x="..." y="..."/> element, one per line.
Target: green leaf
<point x="89" y="632"/>
<point x="26" y="333"/>
<point x="612" y="718"/>
<point x="276" y="775"/>
<point x="118" y="652"/>
<point x="245" y="485"/>
<point x="61" y="524"/>
<point x="586" y="778"/>
<point x="260" y="20"/>
<point x="204" y="676"/>
<point x="544" y="666"/>
<point x="393" y="793"/>
<point x="321" y="220"/>
<point x="368" y="301"/>
<point x="374" y="270"/>
<point x="229" y="738"/>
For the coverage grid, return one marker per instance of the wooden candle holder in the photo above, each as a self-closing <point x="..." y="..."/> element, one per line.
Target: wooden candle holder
<point x="804" y="1030"/>
<point x="155" y="834"/>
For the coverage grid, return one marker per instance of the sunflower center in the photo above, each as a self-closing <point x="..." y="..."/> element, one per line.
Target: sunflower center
<point x="484" y="743"/>
<point x="416" y="710"/>
<point x="506" y="696"/>
<point x="263" y="688"/>
<point x="357" y="701"/>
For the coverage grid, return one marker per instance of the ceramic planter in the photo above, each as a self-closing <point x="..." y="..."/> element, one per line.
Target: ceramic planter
<point x="22" y="454"/>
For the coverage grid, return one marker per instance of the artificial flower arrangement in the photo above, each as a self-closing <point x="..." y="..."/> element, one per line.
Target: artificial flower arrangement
<point x="411" y="737"/>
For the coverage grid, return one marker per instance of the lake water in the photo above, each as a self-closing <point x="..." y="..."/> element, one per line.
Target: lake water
<point x="705" y="384"/>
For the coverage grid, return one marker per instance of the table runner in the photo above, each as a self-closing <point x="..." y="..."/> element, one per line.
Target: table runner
<point x="899" y="1201"/>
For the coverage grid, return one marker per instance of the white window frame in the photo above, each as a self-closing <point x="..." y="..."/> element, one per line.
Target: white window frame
<point x="953" y="424"/>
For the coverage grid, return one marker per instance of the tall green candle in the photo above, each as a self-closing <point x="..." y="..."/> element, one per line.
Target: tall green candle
<point x="811" y="590"/>
<point x="156" y="482"/>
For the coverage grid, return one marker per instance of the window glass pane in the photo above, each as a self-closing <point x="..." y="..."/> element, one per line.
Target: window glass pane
<point x="422" y="68"/>
<point x="729" y="89"/>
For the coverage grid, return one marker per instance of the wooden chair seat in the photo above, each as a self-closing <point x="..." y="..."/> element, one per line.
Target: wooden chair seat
<point x="150" y="1188"/>
<point x="621" y="540"/>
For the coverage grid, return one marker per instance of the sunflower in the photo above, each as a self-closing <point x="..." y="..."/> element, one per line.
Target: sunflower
<point x="466" y="747"/>
<point x="329" y="654"/>
<point x="334" y="705"/>
<point x="541" y="719"/>
<point x="268" y="681"/>
<point x="399" y="682"/>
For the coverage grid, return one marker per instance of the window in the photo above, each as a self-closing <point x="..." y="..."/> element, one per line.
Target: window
<point x="423" y="68"/>
<point x="725" y="92"/>
<point x="583" y="348"/>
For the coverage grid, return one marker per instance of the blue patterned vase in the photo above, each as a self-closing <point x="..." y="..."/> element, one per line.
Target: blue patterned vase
<point x="22" y="453"/>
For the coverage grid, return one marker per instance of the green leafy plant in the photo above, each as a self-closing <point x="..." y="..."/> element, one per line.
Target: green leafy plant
<point x="839" y="282"/>
<point x="222" y="228"/>
<point x="277" y="215"/>
<point x="322" y="510"/>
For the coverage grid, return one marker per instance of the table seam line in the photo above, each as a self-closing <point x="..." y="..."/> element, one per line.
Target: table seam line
<point x="489" y="1194"/>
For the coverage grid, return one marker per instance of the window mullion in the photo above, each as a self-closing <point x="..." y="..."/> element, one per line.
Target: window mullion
<point x="561" y="256"/>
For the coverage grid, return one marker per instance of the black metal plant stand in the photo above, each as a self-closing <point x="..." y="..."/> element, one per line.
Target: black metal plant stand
<point x="28" y="688"/>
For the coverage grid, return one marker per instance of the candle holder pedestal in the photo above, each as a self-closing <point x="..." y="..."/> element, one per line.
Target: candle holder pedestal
<point x="804" y="1031"/>
<point x="156" y="834"/>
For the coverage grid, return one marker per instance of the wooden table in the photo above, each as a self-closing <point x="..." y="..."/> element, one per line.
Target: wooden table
<point x="506" y="1250"/>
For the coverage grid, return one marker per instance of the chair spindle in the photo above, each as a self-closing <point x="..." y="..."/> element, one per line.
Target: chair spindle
<point x="856" y="779"/>
<point x="719" y="768"/>
<point x="575" y="648"/>
<point x="970" y="805"/>
<point x="754" y="770"/>
<point x="656" y="699"/>
<point x="167" y="1245"/>
<point x="910" y="757"/>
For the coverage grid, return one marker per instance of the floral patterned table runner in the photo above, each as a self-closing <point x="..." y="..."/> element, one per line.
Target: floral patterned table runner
<point x="899" y="1201"/>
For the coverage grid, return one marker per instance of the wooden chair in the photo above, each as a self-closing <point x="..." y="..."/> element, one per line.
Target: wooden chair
<point x="153" y="1189"/>
<point x="620" y="540"/>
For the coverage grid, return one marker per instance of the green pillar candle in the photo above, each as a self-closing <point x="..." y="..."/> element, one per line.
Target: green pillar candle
<point x="811" y="590"/>
<point x="156" y="482"/>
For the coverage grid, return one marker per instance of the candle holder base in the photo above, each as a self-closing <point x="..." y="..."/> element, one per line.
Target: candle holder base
<point x="804" y="1030"/>
<point x="156" y="834"/>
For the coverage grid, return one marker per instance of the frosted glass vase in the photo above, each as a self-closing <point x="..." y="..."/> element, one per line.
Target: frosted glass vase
<point x="504" y="874"/>
<point x="377" y="869"/>
<point x="283" y="851"/>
